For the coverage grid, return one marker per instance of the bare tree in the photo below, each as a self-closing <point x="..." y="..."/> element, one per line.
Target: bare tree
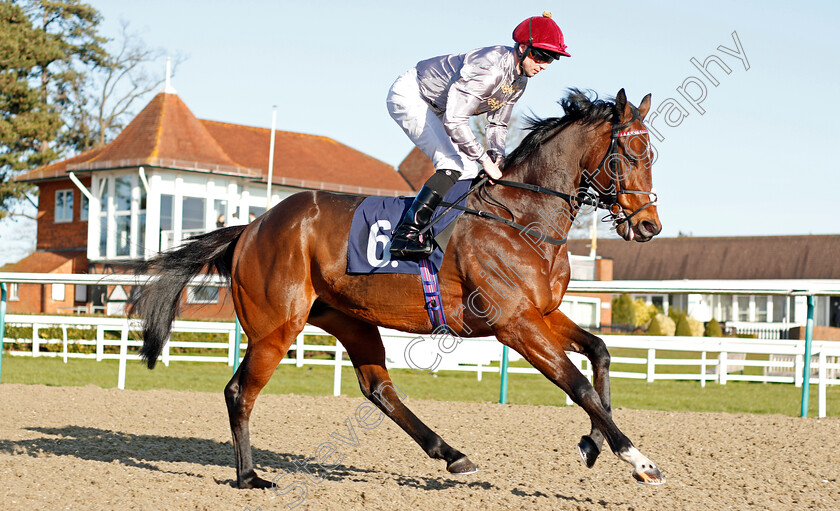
<point x="101" y="101"/>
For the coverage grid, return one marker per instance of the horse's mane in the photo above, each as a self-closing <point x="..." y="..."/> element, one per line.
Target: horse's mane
<point x="577" y="107"/>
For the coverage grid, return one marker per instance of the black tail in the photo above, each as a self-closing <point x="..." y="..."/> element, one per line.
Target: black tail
<point x="157" y="303"/>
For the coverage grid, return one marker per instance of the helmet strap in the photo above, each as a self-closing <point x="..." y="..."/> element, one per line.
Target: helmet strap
<point x="521" y="56"/>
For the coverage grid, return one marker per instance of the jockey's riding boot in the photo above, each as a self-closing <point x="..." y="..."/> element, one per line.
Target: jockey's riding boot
<point x="406" y="240"/>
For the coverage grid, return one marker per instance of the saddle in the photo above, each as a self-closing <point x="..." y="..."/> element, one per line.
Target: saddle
<point x="373" y="221"/>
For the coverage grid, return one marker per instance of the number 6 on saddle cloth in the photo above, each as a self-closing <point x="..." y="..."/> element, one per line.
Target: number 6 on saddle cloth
<point x="370" y="233"/>
<point x="370" y="239"/>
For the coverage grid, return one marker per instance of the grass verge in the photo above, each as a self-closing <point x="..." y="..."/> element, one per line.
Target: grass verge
<point x="734" y="397"/>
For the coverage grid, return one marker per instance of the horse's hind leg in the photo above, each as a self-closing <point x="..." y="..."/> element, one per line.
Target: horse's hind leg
<point x="581" y="341"/>
<point x="364" y="345"/>
<point x="257" y="367"/>
<point x="531" y="336"/>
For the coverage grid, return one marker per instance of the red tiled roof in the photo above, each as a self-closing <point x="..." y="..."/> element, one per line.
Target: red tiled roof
<point x="59" y="169"/>
<point x="416" y="168"/>
<point x="167" y="134"/>
<point x="166" y="129"/>
<point x="300" y="157"/>
<point x="48" y="262"/>
<point x="746" y="257"/>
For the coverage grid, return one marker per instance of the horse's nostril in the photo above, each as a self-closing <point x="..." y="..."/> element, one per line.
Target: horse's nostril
<point x="649" y="228"/>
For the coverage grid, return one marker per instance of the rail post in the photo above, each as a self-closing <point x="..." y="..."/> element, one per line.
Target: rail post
<point x="2" y="324"/>
<point x="822" y="374"/>
<point x="504" y="372"/>
<point x="237" y="340"/>
<point x="806" y="371"/>
<point x="339" y="357"/>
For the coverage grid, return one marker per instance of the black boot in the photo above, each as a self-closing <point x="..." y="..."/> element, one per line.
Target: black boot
<point x="406" y="241"/>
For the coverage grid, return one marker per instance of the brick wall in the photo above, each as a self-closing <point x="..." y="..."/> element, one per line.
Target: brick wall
<point x="38" y="298"/>
<point x="30" y="299"/>
<point x="603" y="271"/>
<point x="821" y="333"/>
<point x="62" y="235"/>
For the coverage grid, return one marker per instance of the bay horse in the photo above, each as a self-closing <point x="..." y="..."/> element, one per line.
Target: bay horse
<point x="287" y="268"/>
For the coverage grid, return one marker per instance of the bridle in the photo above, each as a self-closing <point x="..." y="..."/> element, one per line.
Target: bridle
<point x="606" y="200"/>
<point x="613" y="158"/>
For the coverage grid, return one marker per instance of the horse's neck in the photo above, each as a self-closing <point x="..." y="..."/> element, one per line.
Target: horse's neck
<point x="557" y="166"/>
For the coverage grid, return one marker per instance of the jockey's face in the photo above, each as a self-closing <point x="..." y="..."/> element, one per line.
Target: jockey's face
<point x="529" y="66"/>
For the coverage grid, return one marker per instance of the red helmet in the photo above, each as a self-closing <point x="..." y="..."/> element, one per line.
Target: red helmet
<point x="541" y="32"/>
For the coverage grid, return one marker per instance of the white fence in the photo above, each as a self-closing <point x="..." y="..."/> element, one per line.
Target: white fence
<point x="781" y="360"/>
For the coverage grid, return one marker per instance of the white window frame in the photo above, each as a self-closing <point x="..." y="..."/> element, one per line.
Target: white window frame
<point x="84" y="212"/>
<point x="62" y="218"/>
<point x="193" y="299"/>
<point x="14" y="292"/>
<point x="109" y="213"/>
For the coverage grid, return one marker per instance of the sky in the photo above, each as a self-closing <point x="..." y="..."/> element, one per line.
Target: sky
<point x="757" y="161"/>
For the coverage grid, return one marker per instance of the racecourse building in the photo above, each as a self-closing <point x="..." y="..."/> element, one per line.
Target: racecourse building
<point x="166" y="177"/>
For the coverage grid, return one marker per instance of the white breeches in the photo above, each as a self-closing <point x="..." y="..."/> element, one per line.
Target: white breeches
<point x="425" y="128"/>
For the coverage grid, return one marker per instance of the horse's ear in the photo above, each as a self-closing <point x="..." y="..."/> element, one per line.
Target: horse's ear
<point x="644" y="106"/>
<point x="620" y="101"/>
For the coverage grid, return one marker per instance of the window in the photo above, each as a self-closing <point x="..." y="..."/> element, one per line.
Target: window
<point x="722" y="307"/>
<point x="122" y="221"/>
<point x="743" y="308"/>
<point x="103" y="218"/>
<point x="202" y="294"/>
<point x="761" y="308"/>
<point x="58" y="292"/>
<point x="123" y="235"/>
<point x="122" y="215"/>
<point x="85" y="206"/>
<point x="220" y="207"/>
<point x="678" y="302"/>
<point x="80" y="293"/>
<point x="780" y="309"/>
<point x="658" y="302"/>
<point x="254" y="212"/>
<point x="63" y="206"/>
<point x="821" y="310"/>
<point x="166" y="224"/>
<point x="834" y="311"/>
<point x="193" y="214"/>
<point x="141" y="223"/>
<point x="103" y="235"/>
<point x="14" y="292"/>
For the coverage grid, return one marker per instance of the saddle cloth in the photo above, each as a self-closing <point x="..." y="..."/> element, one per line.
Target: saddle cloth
<point x="370" y="233"/>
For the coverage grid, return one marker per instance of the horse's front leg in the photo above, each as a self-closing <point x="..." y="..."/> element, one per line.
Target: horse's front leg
<point x="579" y="340"/>
<point x="534" y="339"/>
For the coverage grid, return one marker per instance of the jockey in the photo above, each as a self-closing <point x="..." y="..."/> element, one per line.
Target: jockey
<point x="433" y="103"/>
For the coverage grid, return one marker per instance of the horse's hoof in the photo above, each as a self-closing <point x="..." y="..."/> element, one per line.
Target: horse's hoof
<point x="253" y="482"/>
<point x="462" y="466"/>
<point x="649" y="475"/>
<point x="588" y="451"/>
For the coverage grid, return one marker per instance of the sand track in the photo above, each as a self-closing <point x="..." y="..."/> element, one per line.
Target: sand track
<point x="92" y="448"/>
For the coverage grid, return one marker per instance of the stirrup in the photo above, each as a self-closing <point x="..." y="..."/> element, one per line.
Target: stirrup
<point x="407" y="245"/>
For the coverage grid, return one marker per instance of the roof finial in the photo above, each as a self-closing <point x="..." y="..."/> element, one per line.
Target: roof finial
<point x="167" y="88"/>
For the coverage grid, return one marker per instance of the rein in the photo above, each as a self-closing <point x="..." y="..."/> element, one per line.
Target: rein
<point x="616" y="213"/>
<point x="481" y="183"/>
